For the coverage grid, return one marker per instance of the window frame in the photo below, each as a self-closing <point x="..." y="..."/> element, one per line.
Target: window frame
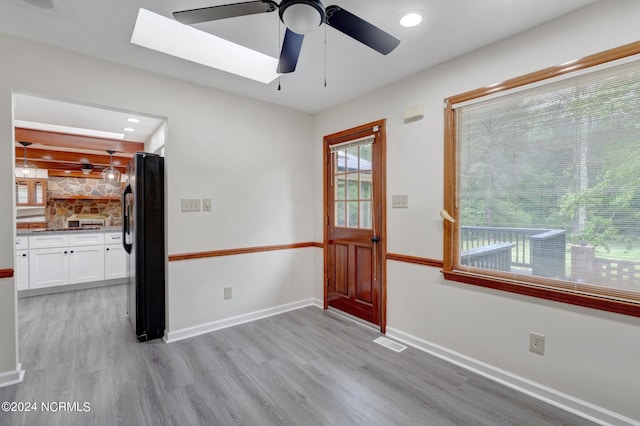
<point x="534" y="286"/>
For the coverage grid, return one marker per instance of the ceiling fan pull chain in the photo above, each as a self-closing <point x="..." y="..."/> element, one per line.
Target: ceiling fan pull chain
<point x="279" y="49"/>
<point x="325" y="56"/>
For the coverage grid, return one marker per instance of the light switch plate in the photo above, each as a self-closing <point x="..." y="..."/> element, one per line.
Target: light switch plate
<point x="190" y="204"/>
<point x="206" y="204"/>
<point x="400" y="201"/>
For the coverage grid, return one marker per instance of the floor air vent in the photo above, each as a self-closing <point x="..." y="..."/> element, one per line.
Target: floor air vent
<point x="390" y="344"/>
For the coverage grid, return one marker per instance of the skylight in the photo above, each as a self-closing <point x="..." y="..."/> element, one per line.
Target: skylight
<point x="66" y="129"/>
<point x="165" y="35"/>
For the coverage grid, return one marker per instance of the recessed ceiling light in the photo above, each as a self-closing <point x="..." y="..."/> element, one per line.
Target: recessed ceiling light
<point x="133" y="120"/>
<point x="129" y="129"/>
<point x="410" y="19"/>
<point x="165" y="35"/>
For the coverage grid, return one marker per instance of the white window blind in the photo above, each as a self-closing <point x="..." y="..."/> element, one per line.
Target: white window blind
<point x="548" y="184"/>
<point x="368" y="140"/>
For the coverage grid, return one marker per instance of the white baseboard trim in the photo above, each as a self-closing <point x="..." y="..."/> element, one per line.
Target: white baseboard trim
<point x="551" y="396"/>
<point x="185" y="333"/>
<point x="12" y="377"/>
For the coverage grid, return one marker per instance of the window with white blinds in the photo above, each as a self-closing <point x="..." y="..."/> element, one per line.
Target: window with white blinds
<point x="545" y="189"/>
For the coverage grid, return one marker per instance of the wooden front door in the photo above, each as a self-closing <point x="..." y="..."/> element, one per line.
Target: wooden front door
<point x="355" y="225"/>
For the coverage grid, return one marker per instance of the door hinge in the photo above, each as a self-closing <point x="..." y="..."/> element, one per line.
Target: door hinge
<point x="328" y="220"/>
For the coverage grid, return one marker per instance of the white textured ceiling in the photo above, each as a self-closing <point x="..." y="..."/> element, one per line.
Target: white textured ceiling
<point x="102" y="29"/>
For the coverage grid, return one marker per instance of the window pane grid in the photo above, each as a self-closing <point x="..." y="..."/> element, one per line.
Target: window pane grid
<point x="353" y="186"/>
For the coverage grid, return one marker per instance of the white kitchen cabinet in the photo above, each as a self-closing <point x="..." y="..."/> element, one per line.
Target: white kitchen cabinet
<point x="115" y="258"/>
<point x="113" y="238"/>
<point x="22" y="269"/>
<point x="22" y="242"/>
<point x="48" y="240"/>
<point x="115" y="262"/>
<point x="86" y="239"/>
<point x="86" y="264"/>
<point x="48" y="267"/>
<point x="59" y="259"/>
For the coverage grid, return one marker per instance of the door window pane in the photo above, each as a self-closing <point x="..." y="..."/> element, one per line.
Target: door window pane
<point x="365" y="214"/>
<point x="353" y="214"/>
<point x="365" y="186"/>
<point x="353" y="187"/>
<point x="341" y="194"/>
<point x="365" y="156"/>
<point x="341" y="208"/>
<point x="352" y="159"/>
<point x="340" y="161"/>
<point x="352" y="193"/>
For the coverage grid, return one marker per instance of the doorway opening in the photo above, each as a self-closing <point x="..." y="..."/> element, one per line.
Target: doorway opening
<point x="69" y="144"/>
<point x="355" y="224"/>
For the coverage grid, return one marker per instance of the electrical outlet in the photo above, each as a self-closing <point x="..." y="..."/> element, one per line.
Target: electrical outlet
<point x="536" y="343"/>
<point x="227" y="293"/>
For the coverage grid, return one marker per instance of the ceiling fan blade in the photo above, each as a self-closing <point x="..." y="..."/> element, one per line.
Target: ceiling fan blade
<point x="214" y="13"/>
<point x="359" y="29"/>
<point x="290" y="52"/>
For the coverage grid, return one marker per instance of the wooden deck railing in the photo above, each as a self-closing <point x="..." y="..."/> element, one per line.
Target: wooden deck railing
<point x="542" y="251"/>
<point x="494" y="256"/>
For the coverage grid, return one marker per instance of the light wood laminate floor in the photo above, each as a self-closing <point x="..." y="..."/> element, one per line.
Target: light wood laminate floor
<point x="305" y="367"/>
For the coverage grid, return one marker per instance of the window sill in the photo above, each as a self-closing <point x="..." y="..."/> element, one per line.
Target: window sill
<point x="557" y="295"/>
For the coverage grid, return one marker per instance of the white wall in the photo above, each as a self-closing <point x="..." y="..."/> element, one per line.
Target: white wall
<point x="157" y="140"/>
<point x="590" y="355"/>
<point x="8" y="338"/>
<point x="220" y="146"/>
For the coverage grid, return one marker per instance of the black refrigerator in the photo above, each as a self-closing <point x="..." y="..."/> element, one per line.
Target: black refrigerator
<point x="143" y="240"/>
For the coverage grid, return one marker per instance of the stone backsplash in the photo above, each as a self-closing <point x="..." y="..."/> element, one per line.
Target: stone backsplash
<point x="65" y="186"/>
<point x="59" y="209"/>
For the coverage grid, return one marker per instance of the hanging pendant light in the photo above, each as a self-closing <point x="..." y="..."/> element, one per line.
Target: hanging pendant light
<point x="111" y="174"/>
<point x="25" y="168"/>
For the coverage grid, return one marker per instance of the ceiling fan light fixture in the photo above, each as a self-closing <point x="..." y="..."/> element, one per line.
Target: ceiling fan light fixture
<point x="87" y="169"/>
<point x="302" y="16"/>
<point x="25" y="168"/>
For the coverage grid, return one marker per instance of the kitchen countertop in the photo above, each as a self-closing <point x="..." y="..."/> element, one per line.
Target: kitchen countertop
<point x="47" y="231"/>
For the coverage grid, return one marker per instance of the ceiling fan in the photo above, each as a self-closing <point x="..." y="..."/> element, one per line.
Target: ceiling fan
<point x="85" y="167"/>
<point x="300" y="17"/>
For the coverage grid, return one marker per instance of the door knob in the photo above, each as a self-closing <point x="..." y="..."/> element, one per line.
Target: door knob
<point x="375" y="239"/>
